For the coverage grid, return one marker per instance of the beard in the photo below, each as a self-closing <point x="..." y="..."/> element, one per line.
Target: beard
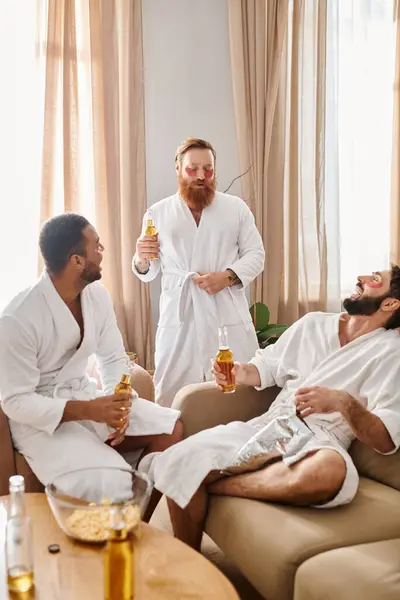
<point x="91" y="273"/>
<point x="196" y="196"/>
<point x="363" y="306"/>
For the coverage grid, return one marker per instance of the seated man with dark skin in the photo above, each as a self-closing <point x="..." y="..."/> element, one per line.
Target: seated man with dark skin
<point x="58" y="419"/>
<point x="340" y="380"/>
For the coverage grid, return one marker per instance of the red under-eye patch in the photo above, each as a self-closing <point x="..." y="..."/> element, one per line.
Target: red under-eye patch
<point x="374" y="284"/>
<point x="208" y="174"/>
<point x="190" y="172"/>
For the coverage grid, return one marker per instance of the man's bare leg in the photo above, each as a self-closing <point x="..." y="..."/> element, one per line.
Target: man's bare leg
<point x="315" y="479"/>
<point x="152" y="443"/>
<point x="188" y="523"/>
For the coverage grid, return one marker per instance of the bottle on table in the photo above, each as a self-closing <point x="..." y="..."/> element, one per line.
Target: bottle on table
<point x="151" y="230"/>
<point x="224" y="360"/>
<point x="18" y="546"/>
<point x="119" y="579"/>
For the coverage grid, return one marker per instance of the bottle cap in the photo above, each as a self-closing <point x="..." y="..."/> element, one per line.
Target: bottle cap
<point x="53" y="548"/>
<point x="16" y="483"/>
<point x="126" y="379"/>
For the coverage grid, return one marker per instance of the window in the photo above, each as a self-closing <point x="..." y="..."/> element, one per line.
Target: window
<point x="366" y="55"/>
<point x="20" y="127"/>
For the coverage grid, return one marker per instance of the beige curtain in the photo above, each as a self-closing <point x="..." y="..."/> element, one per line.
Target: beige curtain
<point x="279" y="74"/>
<point x="395" y="199"/>
<point x="93" y="138"/>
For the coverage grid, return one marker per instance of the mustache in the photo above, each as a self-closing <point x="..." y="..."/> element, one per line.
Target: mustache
<point x="201" y="182"/>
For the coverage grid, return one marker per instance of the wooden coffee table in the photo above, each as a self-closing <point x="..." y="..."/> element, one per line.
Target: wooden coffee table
<point x="166" y="568"/>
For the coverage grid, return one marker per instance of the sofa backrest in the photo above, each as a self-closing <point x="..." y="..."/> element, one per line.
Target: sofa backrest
<point x="382" y="468"/>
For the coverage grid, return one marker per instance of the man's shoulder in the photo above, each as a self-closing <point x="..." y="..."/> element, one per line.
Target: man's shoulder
<point x="317" y="319"/>
<point x="231" y="205"/>
<point x="318" y="316"/>
<point x="22" y="302"/>
<point x="230" y="199"/>
<point x="163" y="204"/>
<point x="392" y="339"/>
<point x="20" y="316"/>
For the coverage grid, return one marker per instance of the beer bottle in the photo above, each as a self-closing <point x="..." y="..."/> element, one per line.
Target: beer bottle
<point x="224" y="360"/>
<point x="124" y="385"/>
<point x="151" y="230"/>
<point x="119" y="559"/>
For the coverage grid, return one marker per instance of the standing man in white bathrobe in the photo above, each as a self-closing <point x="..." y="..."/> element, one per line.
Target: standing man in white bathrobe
<point x="340" y="380"/>
<point x="58" y="420"/>
<point x="209" y="250"/>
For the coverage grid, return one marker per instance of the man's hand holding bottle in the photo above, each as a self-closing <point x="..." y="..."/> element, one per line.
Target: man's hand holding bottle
<point x="113" y="410"/>
<point x="244" y="375"/>
<point x="147" y="248"/>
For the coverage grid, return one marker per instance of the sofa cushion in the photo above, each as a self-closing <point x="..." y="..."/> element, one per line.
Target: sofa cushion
<point x="369" y="463"/>
<point x="365" y="572"/>
<point x="269" y="541"/>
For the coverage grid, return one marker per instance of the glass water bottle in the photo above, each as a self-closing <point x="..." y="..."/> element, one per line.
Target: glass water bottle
<point x="18" y="547"/>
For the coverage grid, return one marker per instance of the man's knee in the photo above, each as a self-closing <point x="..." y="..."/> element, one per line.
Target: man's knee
<point x="320" y="478"/>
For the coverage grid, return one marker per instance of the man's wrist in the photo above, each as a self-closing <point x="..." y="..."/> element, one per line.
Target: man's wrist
<point x="77" y="410"/>
<point x="233" y="279"/>
<point x="142" y="266"/>
<point x="345" y="403"/>
<point x="252" y="376"/>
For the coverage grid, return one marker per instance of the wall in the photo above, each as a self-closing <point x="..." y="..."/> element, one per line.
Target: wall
<point x="188" y="92"/>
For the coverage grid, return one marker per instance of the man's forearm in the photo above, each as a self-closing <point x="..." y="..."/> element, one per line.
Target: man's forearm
<point x="367" y="427"/>
<point x="251" y="376"/>
<point x="76" y="410"/>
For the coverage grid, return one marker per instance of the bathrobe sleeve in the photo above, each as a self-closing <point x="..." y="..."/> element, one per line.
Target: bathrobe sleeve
<point x="251" y="250"/>
<point x="278" y="362"/>
<point x="383" y="395"/>
<point x="19" y="377"/>
<point x="155" y="265"/>
<point x="112" y="360"/>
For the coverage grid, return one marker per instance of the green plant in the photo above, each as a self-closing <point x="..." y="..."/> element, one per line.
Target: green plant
<point x="266" y="333"/>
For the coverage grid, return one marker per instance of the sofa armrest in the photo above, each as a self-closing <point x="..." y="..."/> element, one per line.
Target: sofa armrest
<point x="142" y="383"/>
<point x="203" y="406"/>
<point x="7" y="461"/>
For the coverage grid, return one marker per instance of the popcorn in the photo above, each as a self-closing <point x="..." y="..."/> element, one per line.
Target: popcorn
<point x="94" y="525"/>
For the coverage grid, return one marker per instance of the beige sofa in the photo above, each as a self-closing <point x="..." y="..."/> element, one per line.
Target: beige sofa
<point x="346" y="553"/>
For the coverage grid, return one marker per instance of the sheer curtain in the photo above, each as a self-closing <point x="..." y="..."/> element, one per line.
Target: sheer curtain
<point x="328" y="120"/>
<point x="282" y="55"/>
<point x="20" y="158"/>
<point x="366" y="59"/>
<point x="75" y="141"/>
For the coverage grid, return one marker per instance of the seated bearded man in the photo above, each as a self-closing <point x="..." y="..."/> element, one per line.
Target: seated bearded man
<point x="340" y="380"/>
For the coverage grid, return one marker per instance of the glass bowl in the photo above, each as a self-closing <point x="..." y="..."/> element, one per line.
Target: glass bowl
<point x="82" y="500"/>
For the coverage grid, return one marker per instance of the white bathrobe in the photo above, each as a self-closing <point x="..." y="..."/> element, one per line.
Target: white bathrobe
<point x="187" y="333"/>
<point x="307" y="354"/>
<point x="41" y="369"/>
